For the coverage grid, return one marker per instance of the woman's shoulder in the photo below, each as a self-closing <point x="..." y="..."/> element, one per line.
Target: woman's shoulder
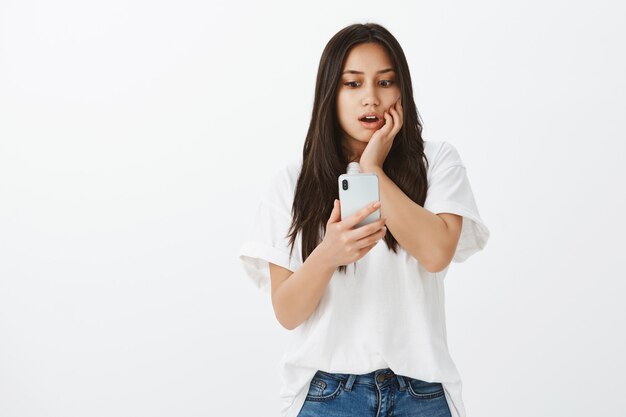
<point x="280" y="188"/>
<point x="441" y="154"/>
<point x="286" y="176"/>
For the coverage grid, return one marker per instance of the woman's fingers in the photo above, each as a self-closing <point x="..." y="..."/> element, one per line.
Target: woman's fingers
<point x="335" y="215"/>
<point x="372" y="239"/>
<point x="389" y="123"/>
<point x="343" y="241"/>
<point x="360" y="215"/>
<point x="396" y="111"/>
<point x="366" y="230"/>
<point x="366" y="249"/>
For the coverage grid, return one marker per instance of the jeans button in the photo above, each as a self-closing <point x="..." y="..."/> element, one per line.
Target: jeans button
<point x="382" y="377"/>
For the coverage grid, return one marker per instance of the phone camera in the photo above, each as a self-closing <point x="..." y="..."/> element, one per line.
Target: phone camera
<point x="344" y="184"/>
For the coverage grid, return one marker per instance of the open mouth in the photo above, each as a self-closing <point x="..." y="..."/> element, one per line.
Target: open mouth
<point x="371" y="122"/>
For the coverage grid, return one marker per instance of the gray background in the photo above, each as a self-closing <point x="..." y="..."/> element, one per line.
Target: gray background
<point x="135" y="137"/>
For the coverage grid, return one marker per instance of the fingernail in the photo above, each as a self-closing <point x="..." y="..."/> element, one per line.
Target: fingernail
<point x="376" y="204"/>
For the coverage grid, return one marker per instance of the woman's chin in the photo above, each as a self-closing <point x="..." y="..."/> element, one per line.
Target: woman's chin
<point x="363" y="137"/>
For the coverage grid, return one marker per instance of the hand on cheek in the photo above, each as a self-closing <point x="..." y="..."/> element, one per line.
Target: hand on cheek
<point x="393" y="120"/>
<point x="380" y="143"/>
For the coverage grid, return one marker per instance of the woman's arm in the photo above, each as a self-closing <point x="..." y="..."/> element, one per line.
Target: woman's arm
<point x="295" y="295"/>
<point x="429" y="238"/>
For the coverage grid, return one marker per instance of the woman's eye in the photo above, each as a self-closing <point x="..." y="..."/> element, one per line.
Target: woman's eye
<point x="384" y="83"/>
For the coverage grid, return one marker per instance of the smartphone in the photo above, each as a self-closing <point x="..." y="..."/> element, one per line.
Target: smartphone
<point x="357" y="190"/>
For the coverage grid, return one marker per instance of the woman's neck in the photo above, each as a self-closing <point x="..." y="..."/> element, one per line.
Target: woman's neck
<point x="353" y="149"/>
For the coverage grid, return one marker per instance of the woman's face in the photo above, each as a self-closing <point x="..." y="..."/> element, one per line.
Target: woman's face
<point x="367" y="86"/>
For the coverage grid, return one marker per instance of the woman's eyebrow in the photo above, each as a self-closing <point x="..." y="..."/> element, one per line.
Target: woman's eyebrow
<point x="360" y="72"/>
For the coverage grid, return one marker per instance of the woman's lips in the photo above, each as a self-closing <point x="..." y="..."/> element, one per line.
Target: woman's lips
<point x="373" y="125"/>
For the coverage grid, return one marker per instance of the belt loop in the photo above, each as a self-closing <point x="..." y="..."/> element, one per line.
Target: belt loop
<point x="402" y="382"/>
<point x="350" y="382"/>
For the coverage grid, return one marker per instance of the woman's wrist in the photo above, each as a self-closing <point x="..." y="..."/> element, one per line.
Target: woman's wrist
<point x="323" y="258"/>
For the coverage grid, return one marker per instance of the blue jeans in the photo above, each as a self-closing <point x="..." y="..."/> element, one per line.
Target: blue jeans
<point x="380" y="393"/>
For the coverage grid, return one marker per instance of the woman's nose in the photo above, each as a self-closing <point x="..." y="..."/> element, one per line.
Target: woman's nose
<point x="369" y="96"/>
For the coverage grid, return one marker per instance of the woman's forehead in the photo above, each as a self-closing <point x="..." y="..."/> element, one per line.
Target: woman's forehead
<point x="367" y="58"/>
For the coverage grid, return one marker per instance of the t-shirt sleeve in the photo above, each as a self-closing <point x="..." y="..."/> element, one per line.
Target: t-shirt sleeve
<point x="449" y="191"/>
<point x="266" y="238"/>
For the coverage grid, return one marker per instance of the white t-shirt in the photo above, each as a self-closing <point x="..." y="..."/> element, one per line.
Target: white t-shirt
<point x="390" y="314"/>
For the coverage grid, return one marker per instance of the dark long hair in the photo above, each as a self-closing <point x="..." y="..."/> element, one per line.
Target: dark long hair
<point x="323" y="156"/>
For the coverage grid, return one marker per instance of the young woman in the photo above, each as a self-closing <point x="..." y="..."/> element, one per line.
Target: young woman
<point x="365" y="305"/>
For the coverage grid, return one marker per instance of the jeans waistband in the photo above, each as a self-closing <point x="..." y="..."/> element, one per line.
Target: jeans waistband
<point x="380" y="378"/>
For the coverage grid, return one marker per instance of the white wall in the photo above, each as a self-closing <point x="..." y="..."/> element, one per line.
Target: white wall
<point x="134" y="139"/>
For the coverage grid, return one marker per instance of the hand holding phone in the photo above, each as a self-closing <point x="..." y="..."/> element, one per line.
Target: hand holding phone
<point x="344" y="243"/>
